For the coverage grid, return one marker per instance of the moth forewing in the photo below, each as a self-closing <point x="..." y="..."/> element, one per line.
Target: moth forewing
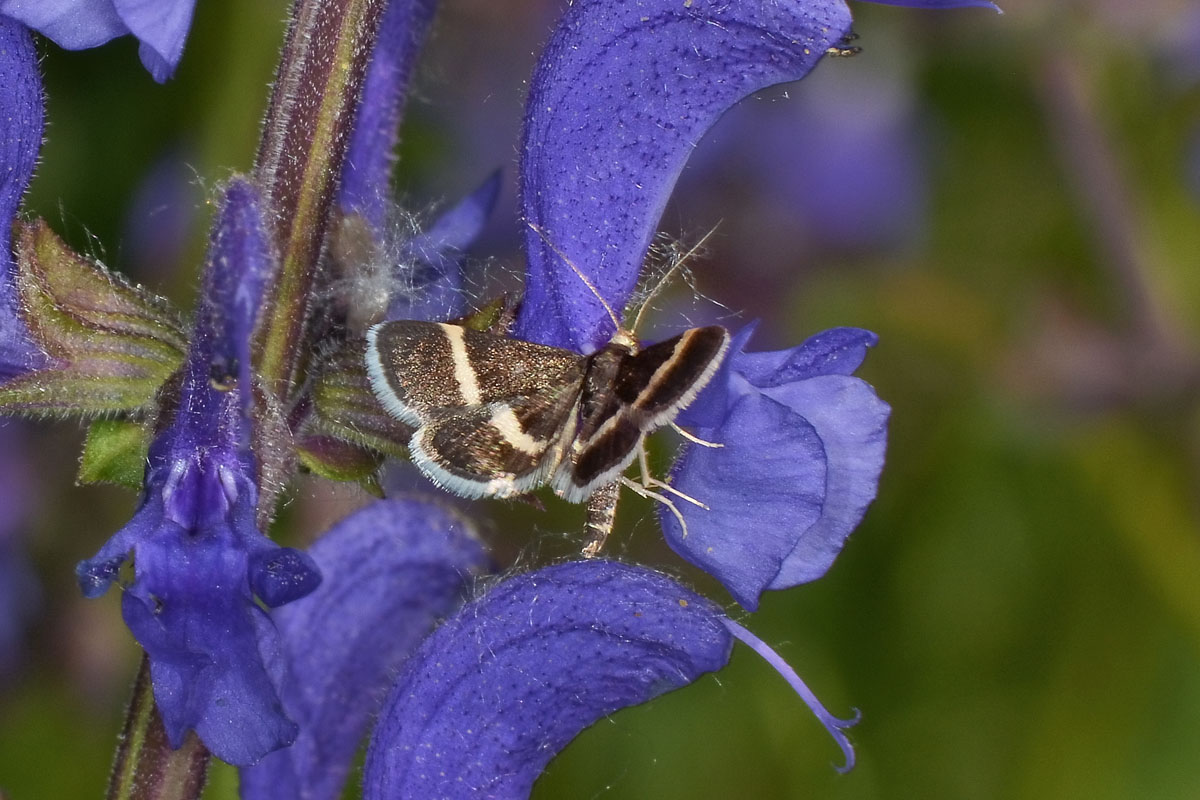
<point x="493" y="415"/>
<point x="472" y="452"/>
<point x="691" y="359"/>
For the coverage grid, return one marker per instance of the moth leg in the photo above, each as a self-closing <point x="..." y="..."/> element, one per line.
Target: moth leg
<point x="662" y="498"/>
<point x="601" y="514"/>
<point x="649" y="481"/>
<point x="693" y="438"/>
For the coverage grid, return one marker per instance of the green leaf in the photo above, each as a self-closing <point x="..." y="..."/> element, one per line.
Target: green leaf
<point x="115" y="452"/>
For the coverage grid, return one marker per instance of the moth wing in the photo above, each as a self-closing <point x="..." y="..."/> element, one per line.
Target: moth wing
<point x="417" y="368"/>
<point x="497" y="449"/>
<point x="656" y="383"/>
<point x="599" y="459"/>
<point x="651" y="388"/>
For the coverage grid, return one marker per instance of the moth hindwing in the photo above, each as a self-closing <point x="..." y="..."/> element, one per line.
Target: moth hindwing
<point x="496" y="417"/>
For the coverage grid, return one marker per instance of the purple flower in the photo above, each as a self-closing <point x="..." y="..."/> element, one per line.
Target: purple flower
<point x="389" y="572"/>
<point x="802" y="447"/>
<point x="409" y="275"/>
<point x="503" y="685"/>
<point x="366" y="176"/>
<point x="161" y="26"/>
<point x="621" y="95"/>
<point x="20" y="138"/>
<point x="200" y="559"/>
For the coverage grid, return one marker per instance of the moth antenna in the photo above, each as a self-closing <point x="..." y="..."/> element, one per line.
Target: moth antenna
<point x="586" y="282"/>
<point x="637" y="322"/>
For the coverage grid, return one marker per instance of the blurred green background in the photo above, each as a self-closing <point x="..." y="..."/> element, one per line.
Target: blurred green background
<point x="1019" y="614"/>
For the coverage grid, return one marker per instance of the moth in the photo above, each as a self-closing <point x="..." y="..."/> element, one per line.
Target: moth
<point x="498" y="417"/>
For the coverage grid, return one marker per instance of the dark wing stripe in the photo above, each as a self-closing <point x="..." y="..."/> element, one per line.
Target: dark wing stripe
<point x="669" y="383"/>
<point x="604" y="457"/>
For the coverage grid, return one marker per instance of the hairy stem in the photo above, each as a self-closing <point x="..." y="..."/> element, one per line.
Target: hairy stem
<point x="308" y="126"/>
<point x="146" y="767"/>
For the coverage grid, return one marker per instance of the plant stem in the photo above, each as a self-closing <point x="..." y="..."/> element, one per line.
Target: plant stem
<point x="308" y="127"/>
<point x="146" y="767"/>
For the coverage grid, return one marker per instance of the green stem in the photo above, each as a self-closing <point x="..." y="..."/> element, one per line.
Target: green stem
<point x="146" y="767"/>
<point x="304" y="142"/>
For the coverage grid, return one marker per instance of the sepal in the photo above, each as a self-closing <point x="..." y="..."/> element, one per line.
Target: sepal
<point x="111" y="344"/>
<point x="340" y="460"/>
<point x="115" y="452"/>
<point x="347" y="409"/>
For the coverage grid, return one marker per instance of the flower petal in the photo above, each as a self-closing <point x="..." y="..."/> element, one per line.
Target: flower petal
<point x="366" y="177"/>
<point x="763" y="489"/>
<point x="502" y="686"/>
<point x="851" y="422"/>
<point x="621" y="95"/>
<point x="20" y="139"/>
<point x="71" y="24"/>
<point x="211" y="648"/>
<point x="198" y="554"/>
<point x="162" y="28"/>
<point x="391" y="571"/>
<point x="233" y="301"/>
<point x="838" y="351"/>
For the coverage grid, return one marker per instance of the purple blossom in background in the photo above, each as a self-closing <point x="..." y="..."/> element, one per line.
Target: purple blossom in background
<point x="838" y="167"/>
<point x="200" y="559"/>
<point x="161" y="26"/>
<point x="19" y="591"/>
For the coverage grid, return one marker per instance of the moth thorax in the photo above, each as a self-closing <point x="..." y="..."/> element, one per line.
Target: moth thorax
<point x="597" y="400"/>
<point x="624" y="340"/>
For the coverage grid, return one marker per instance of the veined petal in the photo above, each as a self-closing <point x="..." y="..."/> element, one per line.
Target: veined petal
<point x="623" y="92"/>
<point x="838" y="351"/>
<point x="391" y="571"/>
<point x="764" y="488"/>
<point x="20" y="139"/>
<point x="71" y="24"/>
<point x="503" y="685"/>
<point x="804" y="445"/>
<point x="162" y="28"/>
